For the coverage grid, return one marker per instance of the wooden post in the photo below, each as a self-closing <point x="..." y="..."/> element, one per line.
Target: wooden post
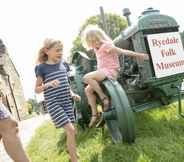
<point x="104" y="20"/>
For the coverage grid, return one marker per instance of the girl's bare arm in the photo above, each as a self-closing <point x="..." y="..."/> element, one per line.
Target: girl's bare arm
<point x="39" y="87"/>
<point x="129" y="53"/>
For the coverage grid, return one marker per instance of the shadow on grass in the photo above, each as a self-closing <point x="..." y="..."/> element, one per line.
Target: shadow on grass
<point x="159" y="138"/>
<point x="94" y="158"/>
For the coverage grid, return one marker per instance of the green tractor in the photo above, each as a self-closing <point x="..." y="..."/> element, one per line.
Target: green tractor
<point x="141" y="85"/>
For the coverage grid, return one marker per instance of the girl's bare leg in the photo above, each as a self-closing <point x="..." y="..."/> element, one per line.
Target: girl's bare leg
<point x="11" y="140"/>
<point x="93" y="79"/>
<point x="71" y="144"/>
<point x="92" y="102"/>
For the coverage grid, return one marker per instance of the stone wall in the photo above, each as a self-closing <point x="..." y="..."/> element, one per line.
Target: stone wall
<point x="10" y="84"/>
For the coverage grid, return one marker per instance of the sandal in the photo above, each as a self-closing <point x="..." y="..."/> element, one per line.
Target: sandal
<point x="93" y="120"/>
<point x="78" y="155"/>
<point x="106" y="103"/>
<point x="100" y="123"/>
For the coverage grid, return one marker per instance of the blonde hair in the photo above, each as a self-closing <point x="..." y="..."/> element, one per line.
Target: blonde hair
<point x="47" y="44"/>
<point x="91" y="34"/>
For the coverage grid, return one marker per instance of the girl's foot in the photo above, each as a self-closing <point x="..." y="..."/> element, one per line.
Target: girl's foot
<point x="106" y="103"/>
<point x="93" y="120"/>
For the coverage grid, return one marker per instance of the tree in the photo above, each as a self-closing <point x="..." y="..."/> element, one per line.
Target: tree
<point x="115" y="25"/>
<point x="34" y="105"/>
<point x="30" y="108"/>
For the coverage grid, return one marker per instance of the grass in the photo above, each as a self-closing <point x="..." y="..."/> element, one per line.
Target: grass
<point x="159" y="138"/>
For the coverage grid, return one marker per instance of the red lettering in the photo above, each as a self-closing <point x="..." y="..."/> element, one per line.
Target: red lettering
<point x="169" y="52"/>
<point x="169" y="65"/>
<point x="154" y="42"/>
<point x="163" y="42"/>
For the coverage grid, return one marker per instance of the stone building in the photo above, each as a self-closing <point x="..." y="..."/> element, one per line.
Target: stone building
<point x="10" y="85"/>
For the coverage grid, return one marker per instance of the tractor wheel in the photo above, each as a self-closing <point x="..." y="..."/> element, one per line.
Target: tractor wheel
<point x="122" y="128"/>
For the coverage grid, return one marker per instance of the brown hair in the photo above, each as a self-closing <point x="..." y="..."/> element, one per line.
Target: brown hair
<point x="48" y="44"/>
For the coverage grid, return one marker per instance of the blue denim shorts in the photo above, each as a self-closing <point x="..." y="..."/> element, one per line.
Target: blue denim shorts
<point x="4" y="113"/>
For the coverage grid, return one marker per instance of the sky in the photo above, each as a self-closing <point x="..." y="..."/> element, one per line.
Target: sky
<point x="24" y="24"/>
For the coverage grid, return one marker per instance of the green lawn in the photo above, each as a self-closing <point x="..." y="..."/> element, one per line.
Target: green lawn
<point x="159" y="138"/>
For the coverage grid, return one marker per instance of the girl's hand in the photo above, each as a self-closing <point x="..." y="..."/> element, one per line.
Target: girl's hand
<point x="143" y="56"/>
<point x="76" y="97"/>
<point x="53" y="83"/>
